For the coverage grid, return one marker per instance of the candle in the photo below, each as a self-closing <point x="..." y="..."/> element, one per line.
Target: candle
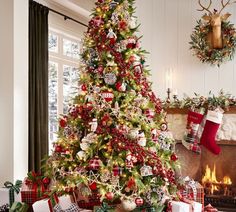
<point x="169" y="78"/>
<point x="175" y="92"/>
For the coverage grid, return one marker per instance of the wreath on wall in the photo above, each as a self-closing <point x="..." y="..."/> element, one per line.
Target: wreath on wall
<point x="201" y="48"/>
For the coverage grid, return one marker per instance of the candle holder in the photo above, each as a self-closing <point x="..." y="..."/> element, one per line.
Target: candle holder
<point x="168" y="95"/>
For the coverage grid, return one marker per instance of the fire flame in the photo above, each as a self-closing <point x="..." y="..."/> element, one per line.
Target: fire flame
<point x="210" y="179"/>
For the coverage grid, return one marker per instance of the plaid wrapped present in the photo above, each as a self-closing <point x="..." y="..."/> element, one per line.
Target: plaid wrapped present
<point x="73" y="208"/>
<point x="192" y="190"/>
<point x="34" y="188"/>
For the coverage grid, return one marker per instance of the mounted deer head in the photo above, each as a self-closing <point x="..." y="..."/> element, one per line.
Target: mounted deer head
<point x="215" y="18"/>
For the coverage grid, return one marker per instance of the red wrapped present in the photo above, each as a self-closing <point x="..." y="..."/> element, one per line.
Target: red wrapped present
<point x="192" y="190"/>
<point x="34" y="188"/>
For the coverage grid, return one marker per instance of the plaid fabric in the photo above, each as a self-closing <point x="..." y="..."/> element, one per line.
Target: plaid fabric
<point x="4" y="208"/>
<point x="195" y="148"/>
<point x="73" y="208"/>
<point x="32" y="193"/>
<point x="193" y="191"/>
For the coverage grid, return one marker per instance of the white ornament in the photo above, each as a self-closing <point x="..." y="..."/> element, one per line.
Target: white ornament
<point x="128" y="205"/>
<point x="133" y="23"/>
<point x="110" y="78"/>
<point x="142" y="141"/>
<point x="111" y="34"/>
<point x="82" y="155"/>
<point x="133" y="133"/>
<point x="94" y="125"/>
<point x="84" y="146"/>
<point x="146" y="171"/>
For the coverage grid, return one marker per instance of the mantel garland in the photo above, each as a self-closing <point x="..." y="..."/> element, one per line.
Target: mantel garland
<point x="199" y="102"/>
<point x="201" y="48"/>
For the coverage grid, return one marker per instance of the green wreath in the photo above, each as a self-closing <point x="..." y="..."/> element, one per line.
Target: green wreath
<point x="200" y="47"/>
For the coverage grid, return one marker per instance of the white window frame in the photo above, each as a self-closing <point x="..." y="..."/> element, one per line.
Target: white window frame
<point x="61" y="60"/>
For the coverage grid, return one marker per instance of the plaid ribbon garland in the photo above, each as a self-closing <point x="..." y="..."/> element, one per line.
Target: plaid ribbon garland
<point x="13" y="189"/>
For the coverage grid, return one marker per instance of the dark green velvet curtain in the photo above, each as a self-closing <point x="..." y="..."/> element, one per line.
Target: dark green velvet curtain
<point x="38" y="84"/>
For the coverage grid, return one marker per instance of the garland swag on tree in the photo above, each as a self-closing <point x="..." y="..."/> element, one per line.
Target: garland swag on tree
<point x="113" y="141"/>
<point x="206" y="54"/>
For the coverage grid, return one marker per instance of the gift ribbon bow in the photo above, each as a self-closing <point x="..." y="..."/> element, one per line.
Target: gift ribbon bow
<point x="13" y="188"/>
<point x="19" y="207"/>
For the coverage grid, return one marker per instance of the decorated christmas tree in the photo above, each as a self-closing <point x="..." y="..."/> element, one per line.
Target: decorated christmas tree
<point x="114" y="140"/>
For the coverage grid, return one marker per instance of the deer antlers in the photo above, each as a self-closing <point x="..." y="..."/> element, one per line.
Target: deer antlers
<point x="205" y="8"/>
<point x="225" y="4"/>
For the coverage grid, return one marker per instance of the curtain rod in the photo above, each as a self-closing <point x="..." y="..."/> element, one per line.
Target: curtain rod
<point x="59" y="13"/>
<point x="67" y="17"/>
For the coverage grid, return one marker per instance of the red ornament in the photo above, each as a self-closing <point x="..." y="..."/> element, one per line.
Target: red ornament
<point x="109" y="195"/>
<point x="46" y="180"/>
<point x="93" y="186"/>
<point x="100" y="69"/>
<point x="83" y="87"/>
<point x="62" y="123"/>
<point x="139" y="201"/>
<point x="58" y="148"/>
<point x="108" y="96"/>
<point x="174" y="157"/>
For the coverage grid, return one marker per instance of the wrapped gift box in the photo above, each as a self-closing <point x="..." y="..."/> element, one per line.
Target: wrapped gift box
<point x="185" y="207"/>
<point x="193" y="190"/>
<point x="31" y="193"/>
<point x="64" y="202"/>
<point x="5" y="195"/>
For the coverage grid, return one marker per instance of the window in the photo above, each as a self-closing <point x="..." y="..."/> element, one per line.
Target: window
<point x="64" y="52"/>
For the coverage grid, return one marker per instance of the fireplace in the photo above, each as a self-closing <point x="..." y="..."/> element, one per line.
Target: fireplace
<point x="216" y="173"/>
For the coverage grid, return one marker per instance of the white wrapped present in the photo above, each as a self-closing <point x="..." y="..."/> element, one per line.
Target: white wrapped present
<point x="186" y="207"/>
<point x="5" y="196"/>
<point x="65" y="203"/>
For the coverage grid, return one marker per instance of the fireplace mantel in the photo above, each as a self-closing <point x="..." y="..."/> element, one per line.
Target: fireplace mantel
<point x="177" y="119"/>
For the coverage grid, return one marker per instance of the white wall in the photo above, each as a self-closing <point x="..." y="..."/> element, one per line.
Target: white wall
<point x="13" y="89"/>
<point x="166" y="26"/>
<point x="6" y="90"/>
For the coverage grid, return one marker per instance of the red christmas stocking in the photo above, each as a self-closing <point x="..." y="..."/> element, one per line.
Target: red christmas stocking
<point x="191" y="139"/>
<point x="213" y="121"/>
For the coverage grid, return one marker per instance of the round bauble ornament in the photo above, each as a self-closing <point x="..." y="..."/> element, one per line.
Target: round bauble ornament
<point x="46" y="180"/>
<point x="139" y="201"/>
<point x="110" y="195"/>
<point x="133" y="133"/>
<point x="62" y="123"/>
<point x="100" y="69"/>
<point x="110" y="78"/>
<point x="93" y="186"/>
<point x="113" y="5"/>
<point x="58" y="148"/>
<point x="174" y="157"/>
<point x="108" y="96"/>
<point x="128" y="205"/>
